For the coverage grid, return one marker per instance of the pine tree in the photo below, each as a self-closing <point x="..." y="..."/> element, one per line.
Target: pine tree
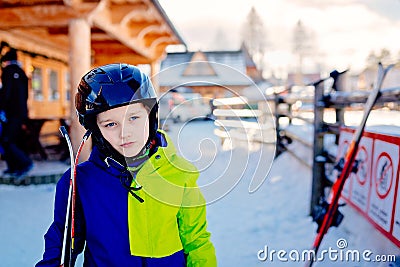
<point x="302" y="44"/>
<point x="254" y="37"/>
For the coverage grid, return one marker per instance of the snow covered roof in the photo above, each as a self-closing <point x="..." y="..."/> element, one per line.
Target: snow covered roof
<point x="204" y="69"/>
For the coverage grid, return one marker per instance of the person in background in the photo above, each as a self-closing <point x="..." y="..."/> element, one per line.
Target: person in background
<point x="14" y="108"/>
<point x="138" y="203"/>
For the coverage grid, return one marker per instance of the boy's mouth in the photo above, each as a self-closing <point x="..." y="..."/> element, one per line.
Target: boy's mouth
<point x="127" y="144"/>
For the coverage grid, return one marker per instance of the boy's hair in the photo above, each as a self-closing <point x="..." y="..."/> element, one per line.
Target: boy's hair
<point x="113" y="86"/>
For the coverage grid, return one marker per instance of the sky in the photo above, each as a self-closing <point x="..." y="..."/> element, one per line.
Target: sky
<point x="345" y="31"/>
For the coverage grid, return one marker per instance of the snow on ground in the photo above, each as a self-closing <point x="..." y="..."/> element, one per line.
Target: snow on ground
<point x="25" y="215"/>
<point x="242" y="223"/>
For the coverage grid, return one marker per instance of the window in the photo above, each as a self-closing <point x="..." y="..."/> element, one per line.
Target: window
<point x="37" y="84"/>
<point x="53" y="82"/>
<point x="67" y="86"/>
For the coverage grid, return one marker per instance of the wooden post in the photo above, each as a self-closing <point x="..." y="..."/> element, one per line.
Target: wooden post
<point x="318" y="146"/>
<point x="79" y="64"/>
<point x="290" y="113"/>
<point x="154" y="75"/>
<point x="339" y="111"/>
<point x="277" y="125"/>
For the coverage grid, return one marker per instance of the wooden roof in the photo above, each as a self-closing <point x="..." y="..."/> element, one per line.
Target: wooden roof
<point x="132" y="31"/>
<point x="205" y="68"/>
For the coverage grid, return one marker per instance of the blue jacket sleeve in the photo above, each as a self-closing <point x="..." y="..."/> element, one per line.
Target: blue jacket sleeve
<point x="55" y="234"/>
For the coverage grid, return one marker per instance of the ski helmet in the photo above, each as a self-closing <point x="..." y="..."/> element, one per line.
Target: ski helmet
<point x="111" y="86"/>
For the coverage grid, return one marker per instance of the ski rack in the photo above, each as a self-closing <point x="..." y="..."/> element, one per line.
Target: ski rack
<point x="331" y="211"/>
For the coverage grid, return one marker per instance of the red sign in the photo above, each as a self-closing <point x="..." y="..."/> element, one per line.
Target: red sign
<point x="373" y="190"/>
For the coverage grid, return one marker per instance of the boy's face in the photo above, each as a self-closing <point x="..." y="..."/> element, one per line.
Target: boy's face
<point x="126" y="128"/>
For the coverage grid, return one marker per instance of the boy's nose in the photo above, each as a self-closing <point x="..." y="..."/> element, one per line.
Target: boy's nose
<point x="125" y="132"/>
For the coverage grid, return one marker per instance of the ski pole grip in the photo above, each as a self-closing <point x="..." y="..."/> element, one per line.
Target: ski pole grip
<point x="63" y="131"/>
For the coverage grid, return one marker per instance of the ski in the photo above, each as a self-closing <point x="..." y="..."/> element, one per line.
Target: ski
<point x="64" y="249"/>
<point x="338" y="185"/>
<point x="69" y="227"/>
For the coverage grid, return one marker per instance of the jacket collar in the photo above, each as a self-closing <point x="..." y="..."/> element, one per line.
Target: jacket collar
<point x="164" y="153"/>
<point x="162" y="156"/>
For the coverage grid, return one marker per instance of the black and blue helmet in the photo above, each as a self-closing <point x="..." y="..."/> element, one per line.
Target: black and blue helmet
<point x="111" y="86"/>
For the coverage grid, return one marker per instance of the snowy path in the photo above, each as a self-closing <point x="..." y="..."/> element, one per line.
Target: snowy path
<point x="242" y="223"/>
<point x="25" y="215"/>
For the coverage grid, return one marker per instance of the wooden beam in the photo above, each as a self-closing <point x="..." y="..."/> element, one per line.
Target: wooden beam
<point x="28" y="42"/>
<point x="73" y="2"/>
<point x="19" y="3"/>
<point x="60" y="30"/>
<point x="130" y="58"/>
<point x="40" y="36"/>
<point x="162" y="41"/>
<point x="119" y="11"/>
<point x="110" y="48"/>
<point x="154" y="29"/>
<point x="155" y="39"/>
<point x="135" y="28"/>
<point x="41" y="15"/>
<point x="102" y="20"/>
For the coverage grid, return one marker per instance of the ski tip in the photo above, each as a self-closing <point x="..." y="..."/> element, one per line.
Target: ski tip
<point x="383" y="69"/>
<point x="63" y="131"/>
<point x="390" y="66"/>
<point x="87" y="134"/>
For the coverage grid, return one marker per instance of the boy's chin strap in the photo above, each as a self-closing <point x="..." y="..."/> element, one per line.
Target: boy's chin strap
<point x="128" y="181"/>
<point x="133" y="166"/>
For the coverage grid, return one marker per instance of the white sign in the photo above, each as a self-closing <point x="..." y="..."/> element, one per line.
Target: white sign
<point x="361" y="180"/>
<point x="384" y="173"/>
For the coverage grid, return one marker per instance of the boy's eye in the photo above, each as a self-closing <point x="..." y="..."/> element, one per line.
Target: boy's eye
<point x="111" y="124"/>
<point x="133" y="118"/>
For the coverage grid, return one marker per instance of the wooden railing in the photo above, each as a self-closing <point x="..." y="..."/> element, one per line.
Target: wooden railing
<point x="322" y="131"/>
<point x="238" y="121"/>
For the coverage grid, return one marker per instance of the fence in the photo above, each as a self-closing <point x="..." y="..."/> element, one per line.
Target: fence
<point x="238" y="121"/>
<point x="322" y="114"/>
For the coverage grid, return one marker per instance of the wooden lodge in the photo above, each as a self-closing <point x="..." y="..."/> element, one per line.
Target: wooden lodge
<point x="57" y="41"/>
<point x="213" y="74"/>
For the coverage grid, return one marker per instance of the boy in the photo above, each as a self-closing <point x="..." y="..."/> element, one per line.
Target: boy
<point x="137" y="201"/>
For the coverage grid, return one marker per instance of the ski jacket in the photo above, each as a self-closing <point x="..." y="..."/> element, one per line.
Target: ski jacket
<point x="114" y="229"/>
<point x="14" y="92"/>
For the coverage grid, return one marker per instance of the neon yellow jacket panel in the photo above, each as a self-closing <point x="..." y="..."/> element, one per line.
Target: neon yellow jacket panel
<point x="173" y="214"/>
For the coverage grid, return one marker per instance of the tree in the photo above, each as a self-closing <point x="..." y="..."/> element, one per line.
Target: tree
<point x="372" y="59"/>
<point x="254" y="37"/>
<point x="384" y="57"/>
<point x="303" y="41"/>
